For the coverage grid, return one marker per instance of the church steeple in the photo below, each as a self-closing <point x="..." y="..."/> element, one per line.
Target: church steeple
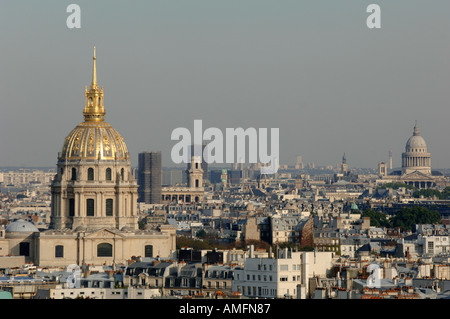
<point x="93" y="107"/>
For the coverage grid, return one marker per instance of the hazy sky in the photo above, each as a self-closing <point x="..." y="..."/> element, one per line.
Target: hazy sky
<point x="310" y="68"/>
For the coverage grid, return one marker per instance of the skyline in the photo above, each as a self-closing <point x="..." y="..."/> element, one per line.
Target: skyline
<point x="346" y="88"/>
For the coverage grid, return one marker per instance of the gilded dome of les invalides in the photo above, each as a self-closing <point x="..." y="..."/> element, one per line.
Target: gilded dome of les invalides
<point x="94" y="138"/>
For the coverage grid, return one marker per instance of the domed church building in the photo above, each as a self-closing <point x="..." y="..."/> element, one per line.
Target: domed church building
<point x="416" y="164"/>
<point x="94" y="199"/>
<point x="416" y="157"/>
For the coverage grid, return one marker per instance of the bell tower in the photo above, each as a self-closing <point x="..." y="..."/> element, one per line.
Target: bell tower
<point x="195" y="173"/>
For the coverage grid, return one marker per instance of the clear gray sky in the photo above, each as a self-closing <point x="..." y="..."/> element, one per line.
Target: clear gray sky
<point x="311" y="68"/>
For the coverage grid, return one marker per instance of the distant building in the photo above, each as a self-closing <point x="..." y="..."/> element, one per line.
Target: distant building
<point x="234" y="176"/>
<point x="198" y="151"/>
<point x="149" y="177"/>
<point x="344" y="165"/>
<point x="416" y="164"/>
<point x="382" y="169"/>
<point x="172" y="177"/>
<point x="193" y="192"/>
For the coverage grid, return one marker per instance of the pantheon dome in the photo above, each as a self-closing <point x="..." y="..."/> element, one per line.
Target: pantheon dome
<point x="416" y="143"/>
<point x="416" y="156"/>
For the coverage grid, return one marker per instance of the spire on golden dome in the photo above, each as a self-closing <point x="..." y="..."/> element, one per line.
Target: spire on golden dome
<point x="94" y="72"/>
<point x="93" y="106"/>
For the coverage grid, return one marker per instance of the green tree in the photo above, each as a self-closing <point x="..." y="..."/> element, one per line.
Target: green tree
<point x="183" y="241"/>
<point x="407" y="217"/>
<point x="377" y="219"/>
<point x="201" y="234"/>
<point x="428" y="193"/>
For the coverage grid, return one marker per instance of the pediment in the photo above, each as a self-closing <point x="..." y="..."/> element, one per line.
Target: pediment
<point x="416" y="175"/>
<point x="105" y="233"/>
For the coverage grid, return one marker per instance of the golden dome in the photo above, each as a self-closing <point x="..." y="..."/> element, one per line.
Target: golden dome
<point x="94" y="138"/>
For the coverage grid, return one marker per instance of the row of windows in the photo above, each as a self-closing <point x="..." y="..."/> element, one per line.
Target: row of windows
<point x="217" y="284"/>
<point x="269" y="278"/>
<point x="264" y="277"/>
<point x="90" y="176"/>
<point x="257" y="291"/>
<point x="282" y="267"/>
<point x="90" y="207"/>
<point x="103" y="250"/>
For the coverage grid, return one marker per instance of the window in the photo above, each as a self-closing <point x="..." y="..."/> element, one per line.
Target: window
<point x="148" y="251"/>
<point x="89" y="207"/>
<point x="108" y="174"/>
<point x="90" y="174"/>
<point x="122" y="173"/>
<point x="109" y="207"/>
<point x="59" y="251"/>
<point x="71" y="207"/>
<point x="24" y="249"/>
<point x="104" y="250"/>
<point x="74" y="174"/>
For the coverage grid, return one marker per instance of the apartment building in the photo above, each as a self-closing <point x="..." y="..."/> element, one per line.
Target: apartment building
<point x="284" y="275"/>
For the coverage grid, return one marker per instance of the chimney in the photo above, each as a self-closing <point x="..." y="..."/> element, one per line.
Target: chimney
<point x="251" y="251"/>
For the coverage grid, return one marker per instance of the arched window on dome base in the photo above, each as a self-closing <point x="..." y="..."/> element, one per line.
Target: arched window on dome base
<point x="90" y="174"/>
<point x="108" y="174"/>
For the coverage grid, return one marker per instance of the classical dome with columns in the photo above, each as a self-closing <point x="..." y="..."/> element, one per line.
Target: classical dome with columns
<point x="94" y="186"/>
<point x="416" y="164"/>
<point x="416" y="156"/>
